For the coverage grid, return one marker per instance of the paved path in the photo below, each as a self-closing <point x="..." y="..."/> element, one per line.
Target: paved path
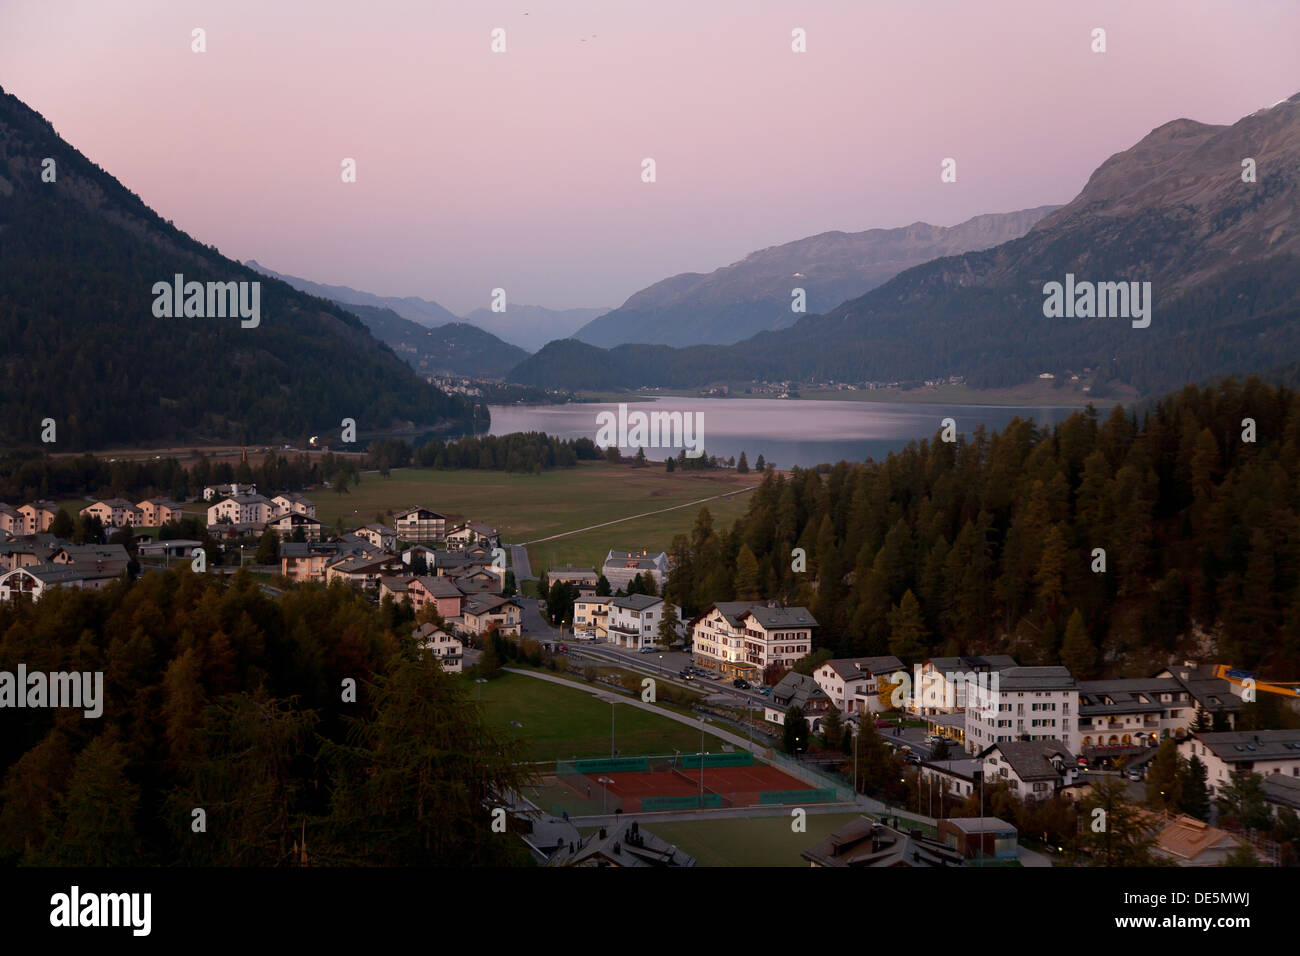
<point x="606" y="524"/>
<point x="1032" y="858"/>
<point x="519" y="563"/>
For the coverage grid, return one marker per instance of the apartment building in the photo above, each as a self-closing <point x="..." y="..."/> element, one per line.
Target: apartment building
<point x="290" y="523"/>
<point x="379" y="535"/>
<point x="1023" y="703"/>
<point x="634" y="620"/>
<point x="441" y="592"/>
<point x="482" y="611"/>
<point x="37" y="517"/>
<point x="591" y="617"/>
<point x="939" y="685"/>
<point x="621" y="567"/>
<point x="851" y="682"/>
<point x="115" y="513"/>
<point x="741" y="638"/>
<point x="1033" y="769"/>
<point x="1265" y="752"/>
<point x="156" y="512"/>
<point x="1118" y="714"/>
<point x="420" y="525"/>
<point x="293" y="503"/>
<point x="448" y="651"/>
<point x="242" y="509"/>
<point x="217" y="492"/>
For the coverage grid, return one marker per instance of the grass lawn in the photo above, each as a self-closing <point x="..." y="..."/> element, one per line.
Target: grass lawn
<point x="562" y="722"/>
<point x="526" y="506"/>
<point x="557" y="799"/>
<point x="767" y="841"/>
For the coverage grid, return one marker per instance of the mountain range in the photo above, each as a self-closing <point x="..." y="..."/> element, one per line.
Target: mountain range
<point x="87" y="345"/>
<point x="527" y="326"/>
<point x="1180" y="210"/>
<point x="457" y="348"/>
<point x="755" y="294"/>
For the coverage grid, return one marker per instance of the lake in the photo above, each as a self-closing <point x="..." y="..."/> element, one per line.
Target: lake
<point x="785" y="432"/>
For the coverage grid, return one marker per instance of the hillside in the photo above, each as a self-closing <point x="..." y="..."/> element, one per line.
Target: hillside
<point x="986" y="545"/>
<point x="423" y="311"/>
<point x="526" y="326"/>
<point x="532" y="326"/>
<point x="457" y="347"/>
<point x="79" y="258"/>
<point x="1222" y="257"/>
<point x="754" y="295"/>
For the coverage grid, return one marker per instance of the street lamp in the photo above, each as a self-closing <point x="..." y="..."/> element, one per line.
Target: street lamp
<point x="701" y="768"/>
<point x="604" y="789"/>
<point x="855" y="764"/>
<point x="611" y="728"/>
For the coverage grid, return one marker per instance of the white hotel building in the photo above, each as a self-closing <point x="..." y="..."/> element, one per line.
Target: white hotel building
<point x="741" y="638"/>
<point x="1022" y="703"/>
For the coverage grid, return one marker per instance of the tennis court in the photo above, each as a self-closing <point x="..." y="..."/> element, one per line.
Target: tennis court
<point x="673" y="784"/>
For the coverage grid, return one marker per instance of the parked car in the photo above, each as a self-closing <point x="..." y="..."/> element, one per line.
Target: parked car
<point x="1135" y="773"/>
<point x="741" y="683"/>
<point x="649" y="650"/>
<point x="884" y="723"/>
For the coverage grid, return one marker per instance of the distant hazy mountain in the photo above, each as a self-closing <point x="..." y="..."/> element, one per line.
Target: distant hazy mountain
<point x="754" y="295"/>
<point x="86" y="342"/>
<point x="423" y="311"/>
<point x="532" y="326"/>
<point x="458" y="347"/>
<point x="527" y="326"/>
<point x="1222" y="256"/>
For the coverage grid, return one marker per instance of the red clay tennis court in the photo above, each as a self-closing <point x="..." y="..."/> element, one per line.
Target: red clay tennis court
<point x="679" y="788"/>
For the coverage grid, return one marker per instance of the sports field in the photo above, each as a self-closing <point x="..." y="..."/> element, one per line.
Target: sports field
<point x="553" y="721"/>
<point x="682" y="787"/>
<point x="763" y="841"/>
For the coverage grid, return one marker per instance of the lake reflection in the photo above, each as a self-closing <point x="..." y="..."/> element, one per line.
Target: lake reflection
<point x="788" y="433"/>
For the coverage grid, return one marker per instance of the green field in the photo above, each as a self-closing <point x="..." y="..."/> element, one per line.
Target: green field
<point x="562" y="722"/>
<point x="526" y="507"/>
<point x="765" y="841"/>
<point x="557" y="799"/>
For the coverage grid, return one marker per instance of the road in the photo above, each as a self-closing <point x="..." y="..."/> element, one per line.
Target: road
<point x="667" y="664"/>
<point x="519" y="563"/>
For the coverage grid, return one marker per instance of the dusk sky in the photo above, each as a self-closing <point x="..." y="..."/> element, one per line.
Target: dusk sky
<point x="523" y="170"/>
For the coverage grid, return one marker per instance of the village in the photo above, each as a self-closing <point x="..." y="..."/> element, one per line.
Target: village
<point x="956" y="724"/>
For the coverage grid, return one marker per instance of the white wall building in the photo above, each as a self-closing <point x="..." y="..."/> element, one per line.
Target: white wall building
<point x="851" y="684"/>
<point x="211" y="492"/>
<point x="1019" y="703"/>
<point x="1033" y="769"/>
<point x="634" y="620"/>
<point x="939" y="685"/>
<point x="741" y="638"/>
<point x="244" y="509"/>
<point x="448" y="650"/>
<point x="1265" y="752"/>
<point x="293" y="503"/>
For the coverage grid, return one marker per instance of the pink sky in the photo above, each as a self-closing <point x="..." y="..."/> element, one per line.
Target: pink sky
<point x="522" y="170"/>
